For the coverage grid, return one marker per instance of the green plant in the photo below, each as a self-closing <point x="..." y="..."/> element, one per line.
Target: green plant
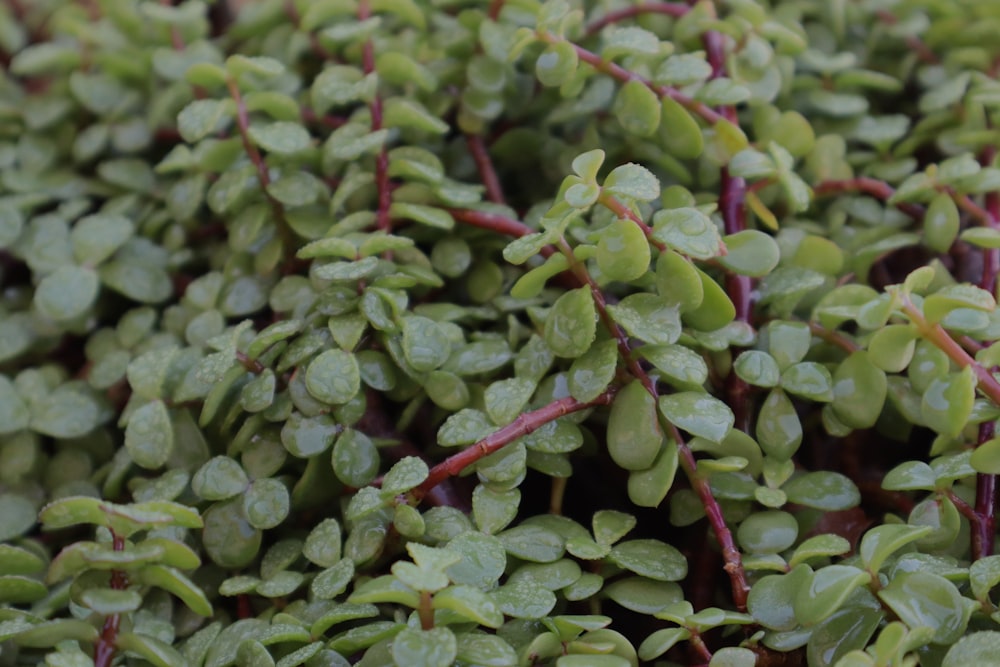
<point x="515" y="333"/>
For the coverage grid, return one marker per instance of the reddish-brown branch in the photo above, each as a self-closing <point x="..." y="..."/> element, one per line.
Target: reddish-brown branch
<point x="732" y="206"/>
<point x="833" y="337"/>
<point x="869" y="186"/>
<point x="674" y="9"/>
<point x="382" y="219"/>
<point x="481" y="156"/>
<point x="621" y="74"/>
<point x="965" y="203"/>
<point x="936" y="334"/>
<point x="243" y="123"/>
<point x="495" y="222"/>
<point x="105" y="649"/>
<point x="494" y="11"/>
<point x="985" y="529"/>
<point x="523" y="425"/>
<point x="731" y="555"/>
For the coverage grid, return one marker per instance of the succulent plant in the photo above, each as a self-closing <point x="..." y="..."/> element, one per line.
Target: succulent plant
<point x="581" y="333"/>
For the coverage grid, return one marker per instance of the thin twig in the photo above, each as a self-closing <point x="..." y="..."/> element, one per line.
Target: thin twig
<point x="619" y="208"/>
<point x="481" y="156"/>
<point x="243" y="123"/>
<point x="833" y="337"/>
<point x="522" y="426"/>
<point x="382" y="219"/>
<point x="621" y="74"/>
<point x="674" y="9"/>
<point x="105" y="649"/>
<point x="870" y="186"/>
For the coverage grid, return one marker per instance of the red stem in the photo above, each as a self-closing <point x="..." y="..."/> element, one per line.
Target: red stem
<point x="382" y="219"/>
<point x="674" y="9"/>
<point x="732" y="205"/>
<point x="494" y="11"/>
<point x="523" y="425"/>
<point x="833" y="337"/>
<point x="869" y="186"/>
<point x="481" y="156"/>
<point x="104" y="651"/>
<point x="621" y="74"/>
<point x="495" y="222"/>
<point x="243" y="123"/>
<point x="731" y="555"/>
<point x="984" y="529"/>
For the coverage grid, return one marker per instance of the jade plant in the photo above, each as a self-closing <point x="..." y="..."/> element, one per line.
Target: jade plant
<point x="585" y="333"/>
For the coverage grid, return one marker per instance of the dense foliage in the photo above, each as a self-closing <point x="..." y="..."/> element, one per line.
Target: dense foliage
<point x="444" y="332"/>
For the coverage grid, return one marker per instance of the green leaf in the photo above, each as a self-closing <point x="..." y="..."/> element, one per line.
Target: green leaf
<point x="556" y="64"/>
<point x="977" y="648"/>
<point x="523" y="599"/>
<point x="591" y="373"/>
<point x="149" y="435"/>
<point x="176" y="583"/>
<point x="95" y="238"/>
<point x="688" y="231"/>
<point x="230" y="541"/>
<point x="201" y="118"/>
<point x="750" y="253"/>
<point x="829" y="491"/>
<point x="486" y="650"/>
<point x="266" y="503"/>
<point x="622" y="251"/>
<point x="637" y="108"/>
<point x="404" y="475"/>
<point x="698" y="414"/>
<point x="305" y="437"/>
<point x="941" y="223"/>
<point x="425" y="344"/>
<point x="533" y="543"/>
<point x="67" y="293"/>
<point x="648" y="488"/>
<point x="17" y="516"/>
<point x="156" y="651"/>
<point x="281" y="137"/>
<point x="662" y="641"/>
<point x="650" y="558"/>
<point x="882" y="541"/>
<point x="925" y="599"/>
<point x="506" y="399"/>
<point x="571" y="324"/>
<point x="769" y="532"/>
<point x="355" y="458"/>
<point x="648" y="317"/>
<point x="633" y="182"/>
<point x="634" y="435"/>
<point x="471" y="603"/>
<point x="219" y="478"/>
<point x="827" y="589"/>
<point x="680" y="133"/>
<point x="757" y="368"/>
<point x="947" y="403"/>
<point x="859" y="391"/>
<point x="334" y="377"/>
<point x="494" y="510"/>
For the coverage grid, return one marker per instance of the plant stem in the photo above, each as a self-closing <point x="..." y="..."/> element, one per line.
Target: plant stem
<point x="731" y="555"/>
<point x="481" y="156"/>
<point x="104" y="651"/>
<point x="243" y="123"/>
<point x="833" y="337"/>
<point x="674" y="9"/>
<point x="984" y="530"/>
<point x="495" y="222"/>
<point x="425" y="611"/>
<point x="869" y="186"/>
<point x="936" y="334"/>
<point x="556" y="495"/>
<point x="621" y="74"/>
<point x="523" y="425"/>
<point x="382" y="219"/>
